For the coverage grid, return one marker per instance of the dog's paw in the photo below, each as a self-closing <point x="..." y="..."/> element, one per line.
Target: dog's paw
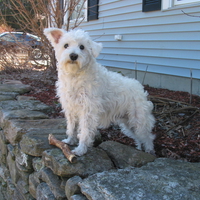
<point x="70" y="141"/>
<point x="80" y="150"/>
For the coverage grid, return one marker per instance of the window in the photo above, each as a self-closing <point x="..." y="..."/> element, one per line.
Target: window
<point x="86" y="10"/>
<point x="93" y="9"/>
<point x="171" y="3"/>
<point x="151" y="5"/>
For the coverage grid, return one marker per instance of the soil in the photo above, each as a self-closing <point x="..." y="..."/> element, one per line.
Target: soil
<point x="177" y="127"/>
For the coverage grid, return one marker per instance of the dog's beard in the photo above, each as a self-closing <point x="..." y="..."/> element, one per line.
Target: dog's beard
<point x="70" y="66"/>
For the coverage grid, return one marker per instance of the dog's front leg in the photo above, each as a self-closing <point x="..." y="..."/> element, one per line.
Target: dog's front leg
<point x="71" y="132"/>
<point x="88" y="126"/>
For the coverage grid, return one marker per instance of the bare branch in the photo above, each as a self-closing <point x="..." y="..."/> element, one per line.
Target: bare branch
<point x="189" y="14"/>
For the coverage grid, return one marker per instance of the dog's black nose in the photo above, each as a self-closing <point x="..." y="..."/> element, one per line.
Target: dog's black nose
<point x="73" y="56"/>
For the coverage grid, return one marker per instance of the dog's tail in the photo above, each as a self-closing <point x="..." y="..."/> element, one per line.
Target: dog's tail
<point x="143" y="121"/>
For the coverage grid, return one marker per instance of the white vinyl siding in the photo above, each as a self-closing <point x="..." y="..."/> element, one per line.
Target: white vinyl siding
<point x="167" y="41"/>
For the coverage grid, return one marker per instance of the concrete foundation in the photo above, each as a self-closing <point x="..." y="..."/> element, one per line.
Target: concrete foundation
<point x="170" y="82"/>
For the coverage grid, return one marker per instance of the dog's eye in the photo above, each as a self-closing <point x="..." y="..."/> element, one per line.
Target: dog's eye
<point x="65" y="46"/>
<point x="82" y="47"/>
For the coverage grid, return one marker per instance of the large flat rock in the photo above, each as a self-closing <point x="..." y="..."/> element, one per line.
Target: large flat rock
<point x="24" y="104"/>
<point x="54" y="183"/>
<point x="16" y="88"/>
<point x="44" y="192"/>
<point x="95" y="160"/>
<point x="24" y="109"/>
<point x="6" y="97"/>
<point x="161" y="179"/>
<point x="20" y="114"/>
<point x="35" y="141"/>
<point x="14" y="129"/>
<point x="124" y="156"/>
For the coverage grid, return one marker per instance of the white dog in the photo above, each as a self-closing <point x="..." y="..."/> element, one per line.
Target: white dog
<point x="92" y="97"/>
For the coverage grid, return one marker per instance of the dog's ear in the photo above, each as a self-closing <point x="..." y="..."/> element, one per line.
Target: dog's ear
<point x="53" y="35"/>
<point x="96" y="48"/>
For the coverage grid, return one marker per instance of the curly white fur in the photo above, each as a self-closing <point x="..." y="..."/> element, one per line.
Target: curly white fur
<point x="92" y="97"/>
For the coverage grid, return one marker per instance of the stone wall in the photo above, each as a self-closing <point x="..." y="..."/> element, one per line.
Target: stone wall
<point x="30" y="168"/>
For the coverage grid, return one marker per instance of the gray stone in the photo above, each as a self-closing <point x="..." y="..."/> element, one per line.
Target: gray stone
<point x="12" y="168"/>
<point x="95" y="160"/>
<point x="34" y="181"/>
<point x="35" y="141"/>
<point x="24" y="176"/>
<point x="3" y="195"/>
<point x="13" y="94"/>
<point x="4" y="173"/>
<point x="6" y="115"/>
<point x="38" y="164"/>
<point x="78" y="197"/>
<point x="72" y="187"/>
<point x="124" y="156"/>
<point x="3" y="147"/>
<point x="35" y="105"/>
<point x="14" y="129"/>
<point x="44" y="193"/>
<point x="11" y="81"/>
<point x="25" y="98"/>
<point x="17" y="88"/>
<point x="19" y="196"/>
<point x="10" y="189"/>
<point x="12" y="132"/>
<point x="162" y="179"/>
<point x="13" y="149"/>
<point x="24" y="162"/>
<point x="53" y="182"/>
<point x="22" y="186"/>
<point x="63" y="182"/>
<point x="6" y="97"/>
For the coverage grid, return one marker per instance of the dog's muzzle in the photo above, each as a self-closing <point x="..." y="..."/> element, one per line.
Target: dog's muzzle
<point x="73" y="56"/>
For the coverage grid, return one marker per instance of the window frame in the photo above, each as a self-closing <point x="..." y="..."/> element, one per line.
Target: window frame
<point x="93" y="10"/>
<point x="181" y="2"/>
<point x="168" y="4"/>
<point x="149" y="5"/>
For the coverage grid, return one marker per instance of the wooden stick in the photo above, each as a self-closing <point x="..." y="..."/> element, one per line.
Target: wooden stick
<point x="145" y="75"/>
<point x="165" y="100"/>
<point x="64" y="147"/>
<point x="182" y="122"/>
<point x="190" y="86"/>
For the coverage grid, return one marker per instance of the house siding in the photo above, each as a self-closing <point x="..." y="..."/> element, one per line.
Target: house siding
<point x="168" y="42"/>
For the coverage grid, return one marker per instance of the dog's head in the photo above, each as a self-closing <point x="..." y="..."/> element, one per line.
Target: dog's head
<point x="74" y="49"/>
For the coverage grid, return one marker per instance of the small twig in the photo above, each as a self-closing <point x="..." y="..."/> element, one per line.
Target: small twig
<point x="136" y="69"/>
<point x="180" y="110"/>
<point x="188" y="14"/>
<point x="182" y="122"/>
<point x="145" y="75"/>
<point x="190" y="86"/>
<point x="164" y="100"/>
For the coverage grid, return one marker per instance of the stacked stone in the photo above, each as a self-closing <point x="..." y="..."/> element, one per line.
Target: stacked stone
<point x="30" y="168"/>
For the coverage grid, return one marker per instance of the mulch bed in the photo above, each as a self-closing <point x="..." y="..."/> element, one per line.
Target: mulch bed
<point x="177" y="125"/>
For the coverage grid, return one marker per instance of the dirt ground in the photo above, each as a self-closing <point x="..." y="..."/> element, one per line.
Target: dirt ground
<point x="177" y="125"/>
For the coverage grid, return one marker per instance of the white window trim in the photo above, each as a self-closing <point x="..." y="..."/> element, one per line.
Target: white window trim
<point x="166" y="4"/>
<point x="176" y="2"/>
